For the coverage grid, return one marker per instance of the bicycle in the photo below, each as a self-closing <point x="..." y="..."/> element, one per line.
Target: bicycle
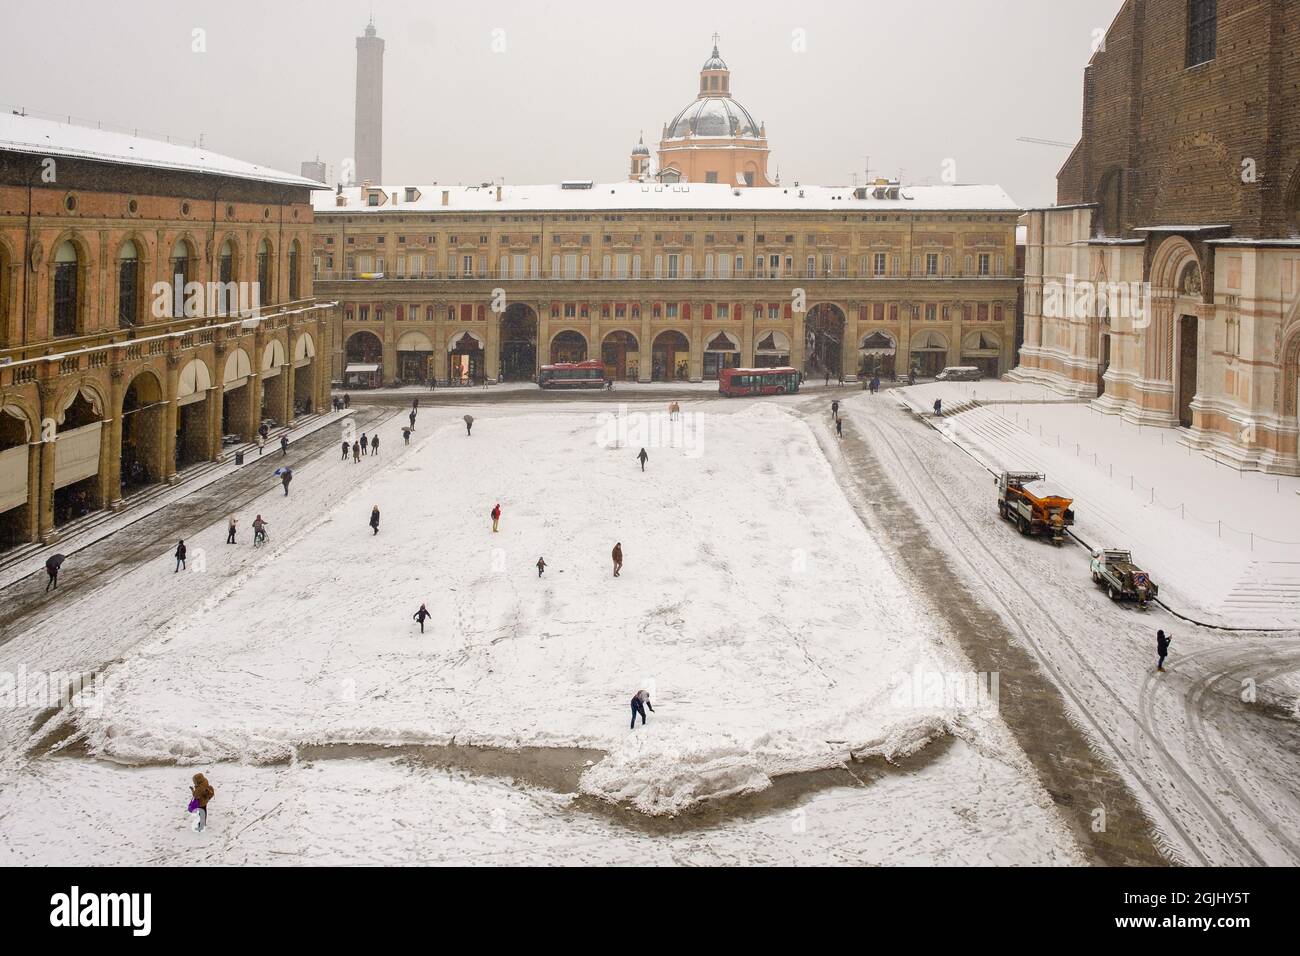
<point x="259" y="538"/>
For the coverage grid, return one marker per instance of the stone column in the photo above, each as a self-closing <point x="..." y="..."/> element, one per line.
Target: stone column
<point x="170" y="411"/>
<point x="111" y="439"/>
<point x="696" y="341"/>
<point x="440" y="332"/>
<point x="798" y="341"/>
<point x="388" y="336"/>
<point x="492" y="345"/>
<point x="849" y="347"/>
<point x="44" y="486"/>
<point x="956" y="330"/>
<point x="543" y="333"/>
<point x="646" y="345"/>
<point x="904" y="353"/>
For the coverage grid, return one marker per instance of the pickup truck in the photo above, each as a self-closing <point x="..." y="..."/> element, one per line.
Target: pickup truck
<point x="1123" y="580"/>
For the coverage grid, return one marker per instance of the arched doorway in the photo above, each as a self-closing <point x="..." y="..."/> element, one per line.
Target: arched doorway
<point x="671" y="357"/>
<point x="721" y="351"/>
<point x="236" y="395"/>
<point x="983" y="350"/>
<point x="772" y="350"/>
<point x="143" y="420"/>
<point x="16" y="430"/>
<point x="877" y="353"/>
<point x="193" y="443"/>
<point x="824" y="338"/>
<point x="929" y="353"/>
<point x="518" y="344"/>
<point x="568" y="346"/>
<point x="1186" y="351"/>
<point x="414" y="357"/>
<point x="77" y="484"/>
<point x="304" y="374"/>
<point x="465" y="359"/>
<point x="621" y="356"/>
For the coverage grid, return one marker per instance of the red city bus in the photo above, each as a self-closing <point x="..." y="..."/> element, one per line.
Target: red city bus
<point x="589" y="374"/>
<point x="758" y="381"/>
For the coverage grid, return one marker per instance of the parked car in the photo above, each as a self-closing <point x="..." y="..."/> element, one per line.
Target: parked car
<point x="959" y="373"/>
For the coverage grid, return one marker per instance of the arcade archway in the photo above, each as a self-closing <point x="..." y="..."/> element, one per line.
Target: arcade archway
<point x="518" y="344"/>
<point x="824" y="341"/>
<point x="304" y="374"/>
<point x="414" y="357"/>
<point x="983" y="350"/>
<point x="568" y="346"/>
<point x="193" y="414"/>
<point x="877" y="355"/>
<point x="16" y="431"/>
<point x="143" y="421"/>
<point x="237" y="396"/>
<point x="772" y="350"/>
<point x="465" y="359"/>
<point x="720" y="351"/>
<point x="929" y="353"/>
<point x="78" y="488"/>
<point x="621" y="356"/>
<point x="671" y="357"/>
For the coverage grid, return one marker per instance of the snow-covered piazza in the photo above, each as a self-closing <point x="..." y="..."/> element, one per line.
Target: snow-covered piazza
<point x="571" y="467"/>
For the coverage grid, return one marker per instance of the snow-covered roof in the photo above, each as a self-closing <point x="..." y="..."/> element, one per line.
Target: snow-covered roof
<point x="42" y="137"/>
<point x="635" y="195"/>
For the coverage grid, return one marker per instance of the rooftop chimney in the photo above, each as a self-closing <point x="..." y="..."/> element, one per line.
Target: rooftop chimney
<point x="446" y="197"/>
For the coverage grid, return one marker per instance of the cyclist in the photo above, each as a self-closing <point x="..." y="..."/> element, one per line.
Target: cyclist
<point x="259" y="531"/>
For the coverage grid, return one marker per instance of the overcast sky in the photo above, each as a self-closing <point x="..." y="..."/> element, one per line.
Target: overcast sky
<point x="910" y="85"/>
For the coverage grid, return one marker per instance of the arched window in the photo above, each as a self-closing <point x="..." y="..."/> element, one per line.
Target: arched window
<point x="265" y="293"/>
<point x="226" y="262"/>
<point x="293" y="271"/>
<point x="66" y="266"/>
<point x="128" y="285"/>
<point x="4" y="298"/>
<point x="180" y="271"/>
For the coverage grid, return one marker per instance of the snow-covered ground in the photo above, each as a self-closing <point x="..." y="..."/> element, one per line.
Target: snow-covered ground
<point x="771" y="629"/>
<point x="1223" y="545"/>
<point x="1209" y="747"/>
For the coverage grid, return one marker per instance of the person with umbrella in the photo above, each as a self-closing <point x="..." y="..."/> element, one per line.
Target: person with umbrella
<point x="469" y="424"/>
<point x="374" y="519"/>
<point x="286" y="476"/>
<point x="52" y="564"/>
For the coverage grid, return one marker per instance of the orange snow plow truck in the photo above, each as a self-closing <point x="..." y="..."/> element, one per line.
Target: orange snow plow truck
<point x="1032" y="514"/>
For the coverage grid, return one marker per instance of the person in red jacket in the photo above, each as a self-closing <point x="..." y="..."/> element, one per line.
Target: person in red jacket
<point x="496" y="516"/>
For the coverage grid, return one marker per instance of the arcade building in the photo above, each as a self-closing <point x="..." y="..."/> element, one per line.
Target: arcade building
<point x="110" y="384"/>
<point x="672" y="274"/>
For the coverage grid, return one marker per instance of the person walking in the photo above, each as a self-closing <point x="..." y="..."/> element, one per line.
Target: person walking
<point x="835" y="408"/>
<point x="412" y="418"/>
<point x="201" y="793"/>
<point x="617" y="555"/>
<point x="259" y="530"/>
<point x="52" y="564"/>
<point x="421" y="616"/>
<point x="365" y="444"/>
<point x="261" y="444"/>
<point x="356" y="452"/>
<point x="640" y="701"/>
<point x="541" y="566"/>
<point x="284" y="445"/>
<point x="911" y="376"/>
<point x="347" y="400"/>
<point x="839" y="426"/>
<point x="642" y="458"/>
<point x="1162" y="649"/>
<point x="406" y="436"/>
<point x="875" y="384"/>
<point x="938" y="407"/>
<point x="496" y="516"/>
<point x="469" y="424"/>
<point x="374" y="519"/>
<point x="230" y="531"/>
<point x="286" y="476"/>
<point x="346" y="448"/>
<point x="374" y="444"/>
<point x="180" y="556"/>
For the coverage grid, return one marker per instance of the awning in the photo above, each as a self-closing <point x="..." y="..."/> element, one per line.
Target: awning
<point x="361" y="368"/>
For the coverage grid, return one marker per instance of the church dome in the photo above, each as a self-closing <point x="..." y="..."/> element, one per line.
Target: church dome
<point x="641" y="149"/>
<point x="713" y="116"/>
